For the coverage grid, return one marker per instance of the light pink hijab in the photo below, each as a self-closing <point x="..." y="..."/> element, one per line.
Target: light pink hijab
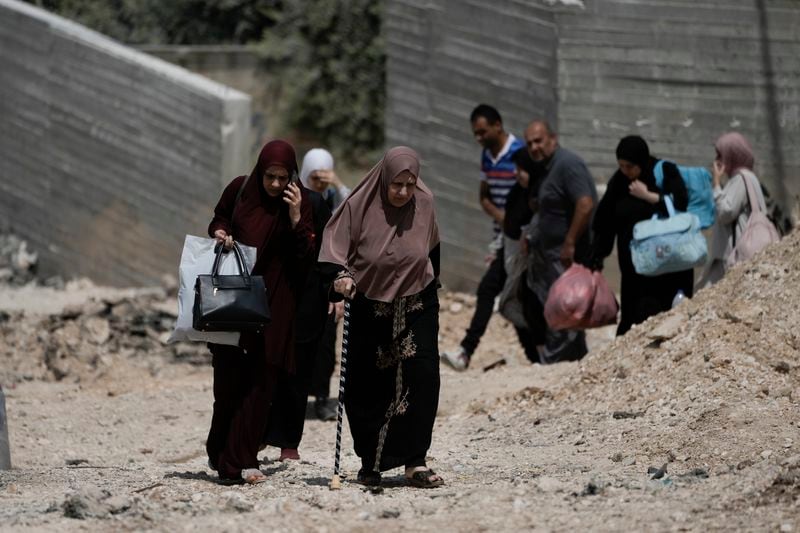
<point x="385" y="247"/>
<point x="735" y="153"/>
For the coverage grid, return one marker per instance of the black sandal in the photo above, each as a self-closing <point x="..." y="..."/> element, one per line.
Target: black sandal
<point x="369" y="478"/>
<point x="421" y="479"/>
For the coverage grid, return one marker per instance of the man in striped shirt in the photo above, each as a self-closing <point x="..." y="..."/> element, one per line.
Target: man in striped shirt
<point x="498" y="176"/>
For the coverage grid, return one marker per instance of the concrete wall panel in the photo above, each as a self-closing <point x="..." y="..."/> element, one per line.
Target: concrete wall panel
<point x="108" y="157"/>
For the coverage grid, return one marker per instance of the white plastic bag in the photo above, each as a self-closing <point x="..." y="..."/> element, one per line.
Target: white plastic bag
<point x="198" y="258"/>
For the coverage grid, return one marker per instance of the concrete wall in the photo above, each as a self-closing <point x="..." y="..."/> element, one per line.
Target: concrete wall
<point x="680" y="73"/>
<point x="108" y="157"/>
<point x="240" y="67"/>
<point x="445" y="57"/>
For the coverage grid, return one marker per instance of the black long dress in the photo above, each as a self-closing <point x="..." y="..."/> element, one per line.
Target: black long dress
<point x="618" y="211"/>
<point x="287" y="416"/>
<point x="392" y="391"/>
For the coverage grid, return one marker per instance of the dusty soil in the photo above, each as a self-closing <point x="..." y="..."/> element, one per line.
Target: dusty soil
<point x="107" y="424"/>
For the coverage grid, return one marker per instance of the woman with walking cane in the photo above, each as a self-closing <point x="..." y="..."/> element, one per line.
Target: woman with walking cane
<point x="381" y="248"/>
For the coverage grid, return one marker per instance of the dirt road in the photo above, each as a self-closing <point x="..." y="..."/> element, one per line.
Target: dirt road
<point x="705" y="395"/>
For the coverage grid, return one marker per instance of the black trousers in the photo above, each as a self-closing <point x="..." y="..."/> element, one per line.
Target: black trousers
<point x="490" y="287"/>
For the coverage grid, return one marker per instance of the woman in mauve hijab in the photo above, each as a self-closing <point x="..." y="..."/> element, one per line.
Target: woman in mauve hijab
<point x="274" y="215"/>
<point x="733" y="163"/>
<point x="381" y="247"/>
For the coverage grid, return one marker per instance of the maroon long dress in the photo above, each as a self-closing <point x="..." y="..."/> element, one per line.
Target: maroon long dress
<point x="245" y="376"/>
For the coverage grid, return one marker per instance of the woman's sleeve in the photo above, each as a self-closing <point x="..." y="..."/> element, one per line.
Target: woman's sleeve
<point x="730" y="201"/>
<point x="604" y="227"/>
<point x="304" y="233"/>
<point x="223" y="212"/>
<point x="434" y="257"/>
<point x="329" y="270"/>
<point x="674" y="186"/>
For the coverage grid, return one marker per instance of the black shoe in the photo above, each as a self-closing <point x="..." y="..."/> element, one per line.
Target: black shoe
<point x="323" y="410"/>
<point x="368" y="478"/>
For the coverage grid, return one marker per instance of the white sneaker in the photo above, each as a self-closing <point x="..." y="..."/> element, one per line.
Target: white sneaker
<point x="457" y="359"/>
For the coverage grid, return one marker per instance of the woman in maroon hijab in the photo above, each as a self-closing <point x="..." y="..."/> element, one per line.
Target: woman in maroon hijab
<point x="382" y="247"/>
<point x="274" y="215"/>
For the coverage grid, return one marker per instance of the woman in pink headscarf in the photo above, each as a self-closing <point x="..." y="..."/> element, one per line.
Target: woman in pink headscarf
<point x="382" y="249"/>
<point x="734" y="161"/>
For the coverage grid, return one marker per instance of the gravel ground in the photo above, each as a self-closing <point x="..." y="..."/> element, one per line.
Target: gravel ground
<point x="688" y="423"/>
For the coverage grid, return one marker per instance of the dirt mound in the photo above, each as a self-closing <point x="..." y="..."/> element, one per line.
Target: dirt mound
<point x="715" y="380"/>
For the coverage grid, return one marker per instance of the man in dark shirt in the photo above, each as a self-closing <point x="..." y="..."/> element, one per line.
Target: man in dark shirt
<point x="567" y="198"/>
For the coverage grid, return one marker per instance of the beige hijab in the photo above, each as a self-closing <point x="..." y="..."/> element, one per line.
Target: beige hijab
<point x="385" y="247"/>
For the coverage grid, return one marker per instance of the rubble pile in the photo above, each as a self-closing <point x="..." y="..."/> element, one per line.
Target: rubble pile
<point x="85" y="340"/>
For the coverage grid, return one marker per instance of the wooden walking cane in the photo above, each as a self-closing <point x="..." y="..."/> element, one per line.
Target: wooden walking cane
<point x="336" y="483"/>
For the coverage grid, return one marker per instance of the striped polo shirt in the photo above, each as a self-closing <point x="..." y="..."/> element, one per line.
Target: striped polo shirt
<point x="499" y="172"/>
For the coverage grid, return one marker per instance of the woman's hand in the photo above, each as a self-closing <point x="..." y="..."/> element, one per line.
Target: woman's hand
<point x="639" y="190"/>
<point x="337" y="308"/>
<point x="717" y="171"/>
<point x="292" y="196"/>
<point x="345" y="286"/>
<point x="222" y="237"/>
<point x="329" y="177"/>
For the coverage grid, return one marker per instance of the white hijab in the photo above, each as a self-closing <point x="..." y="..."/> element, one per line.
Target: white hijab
<point x="315" y="159"/>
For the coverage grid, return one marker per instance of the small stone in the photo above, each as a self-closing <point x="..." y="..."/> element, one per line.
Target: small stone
<point x="782" y="367"/>
<point x="669" y="327"/>
<point x="390" y="513"/>
<point x="792" y="462"/>
<point x="766" y="454"/>
<point x="236" y="502"/>
<point x="787" y="528"/>
<point x="97" y="329"/>
<point x="617" y="457"/>
<point x="118" y="504"/>
<point x="630" y="461"/>
<point x="88" y="503"/>
<point x="456" y="307"/>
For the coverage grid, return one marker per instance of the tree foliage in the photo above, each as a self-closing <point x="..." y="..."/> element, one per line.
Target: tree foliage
<point x="334" y="61"/>
<point x="172" y="21"/>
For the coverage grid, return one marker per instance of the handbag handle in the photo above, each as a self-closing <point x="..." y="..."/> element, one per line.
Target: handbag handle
<point x="237" y="252"/>
<point x="668" y="203"/>
<point x="670" y="207"/>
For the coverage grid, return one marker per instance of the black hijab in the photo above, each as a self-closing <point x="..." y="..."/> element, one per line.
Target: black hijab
<point x="634" y="149"/>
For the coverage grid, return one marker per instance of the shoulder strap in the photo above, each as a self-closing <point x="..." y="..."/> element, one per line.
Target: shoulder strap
<point x="751" y="199"/>
<point x="658" y="173"/>
<point x="751" y="194"/>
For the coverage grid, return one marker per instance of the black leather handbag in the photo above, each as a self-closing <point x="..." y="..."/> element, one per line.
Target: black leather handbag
<point x="230" y="302"/>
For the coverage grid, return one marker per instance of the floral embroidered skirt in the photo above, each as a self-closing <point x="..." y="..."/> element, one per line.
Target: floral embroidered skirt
<point x="392" y="380"/>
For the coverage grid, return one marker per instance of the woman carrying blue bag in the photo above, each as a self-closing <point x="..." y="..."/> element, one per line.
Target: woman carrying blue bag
<point x="632" y="196"/>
